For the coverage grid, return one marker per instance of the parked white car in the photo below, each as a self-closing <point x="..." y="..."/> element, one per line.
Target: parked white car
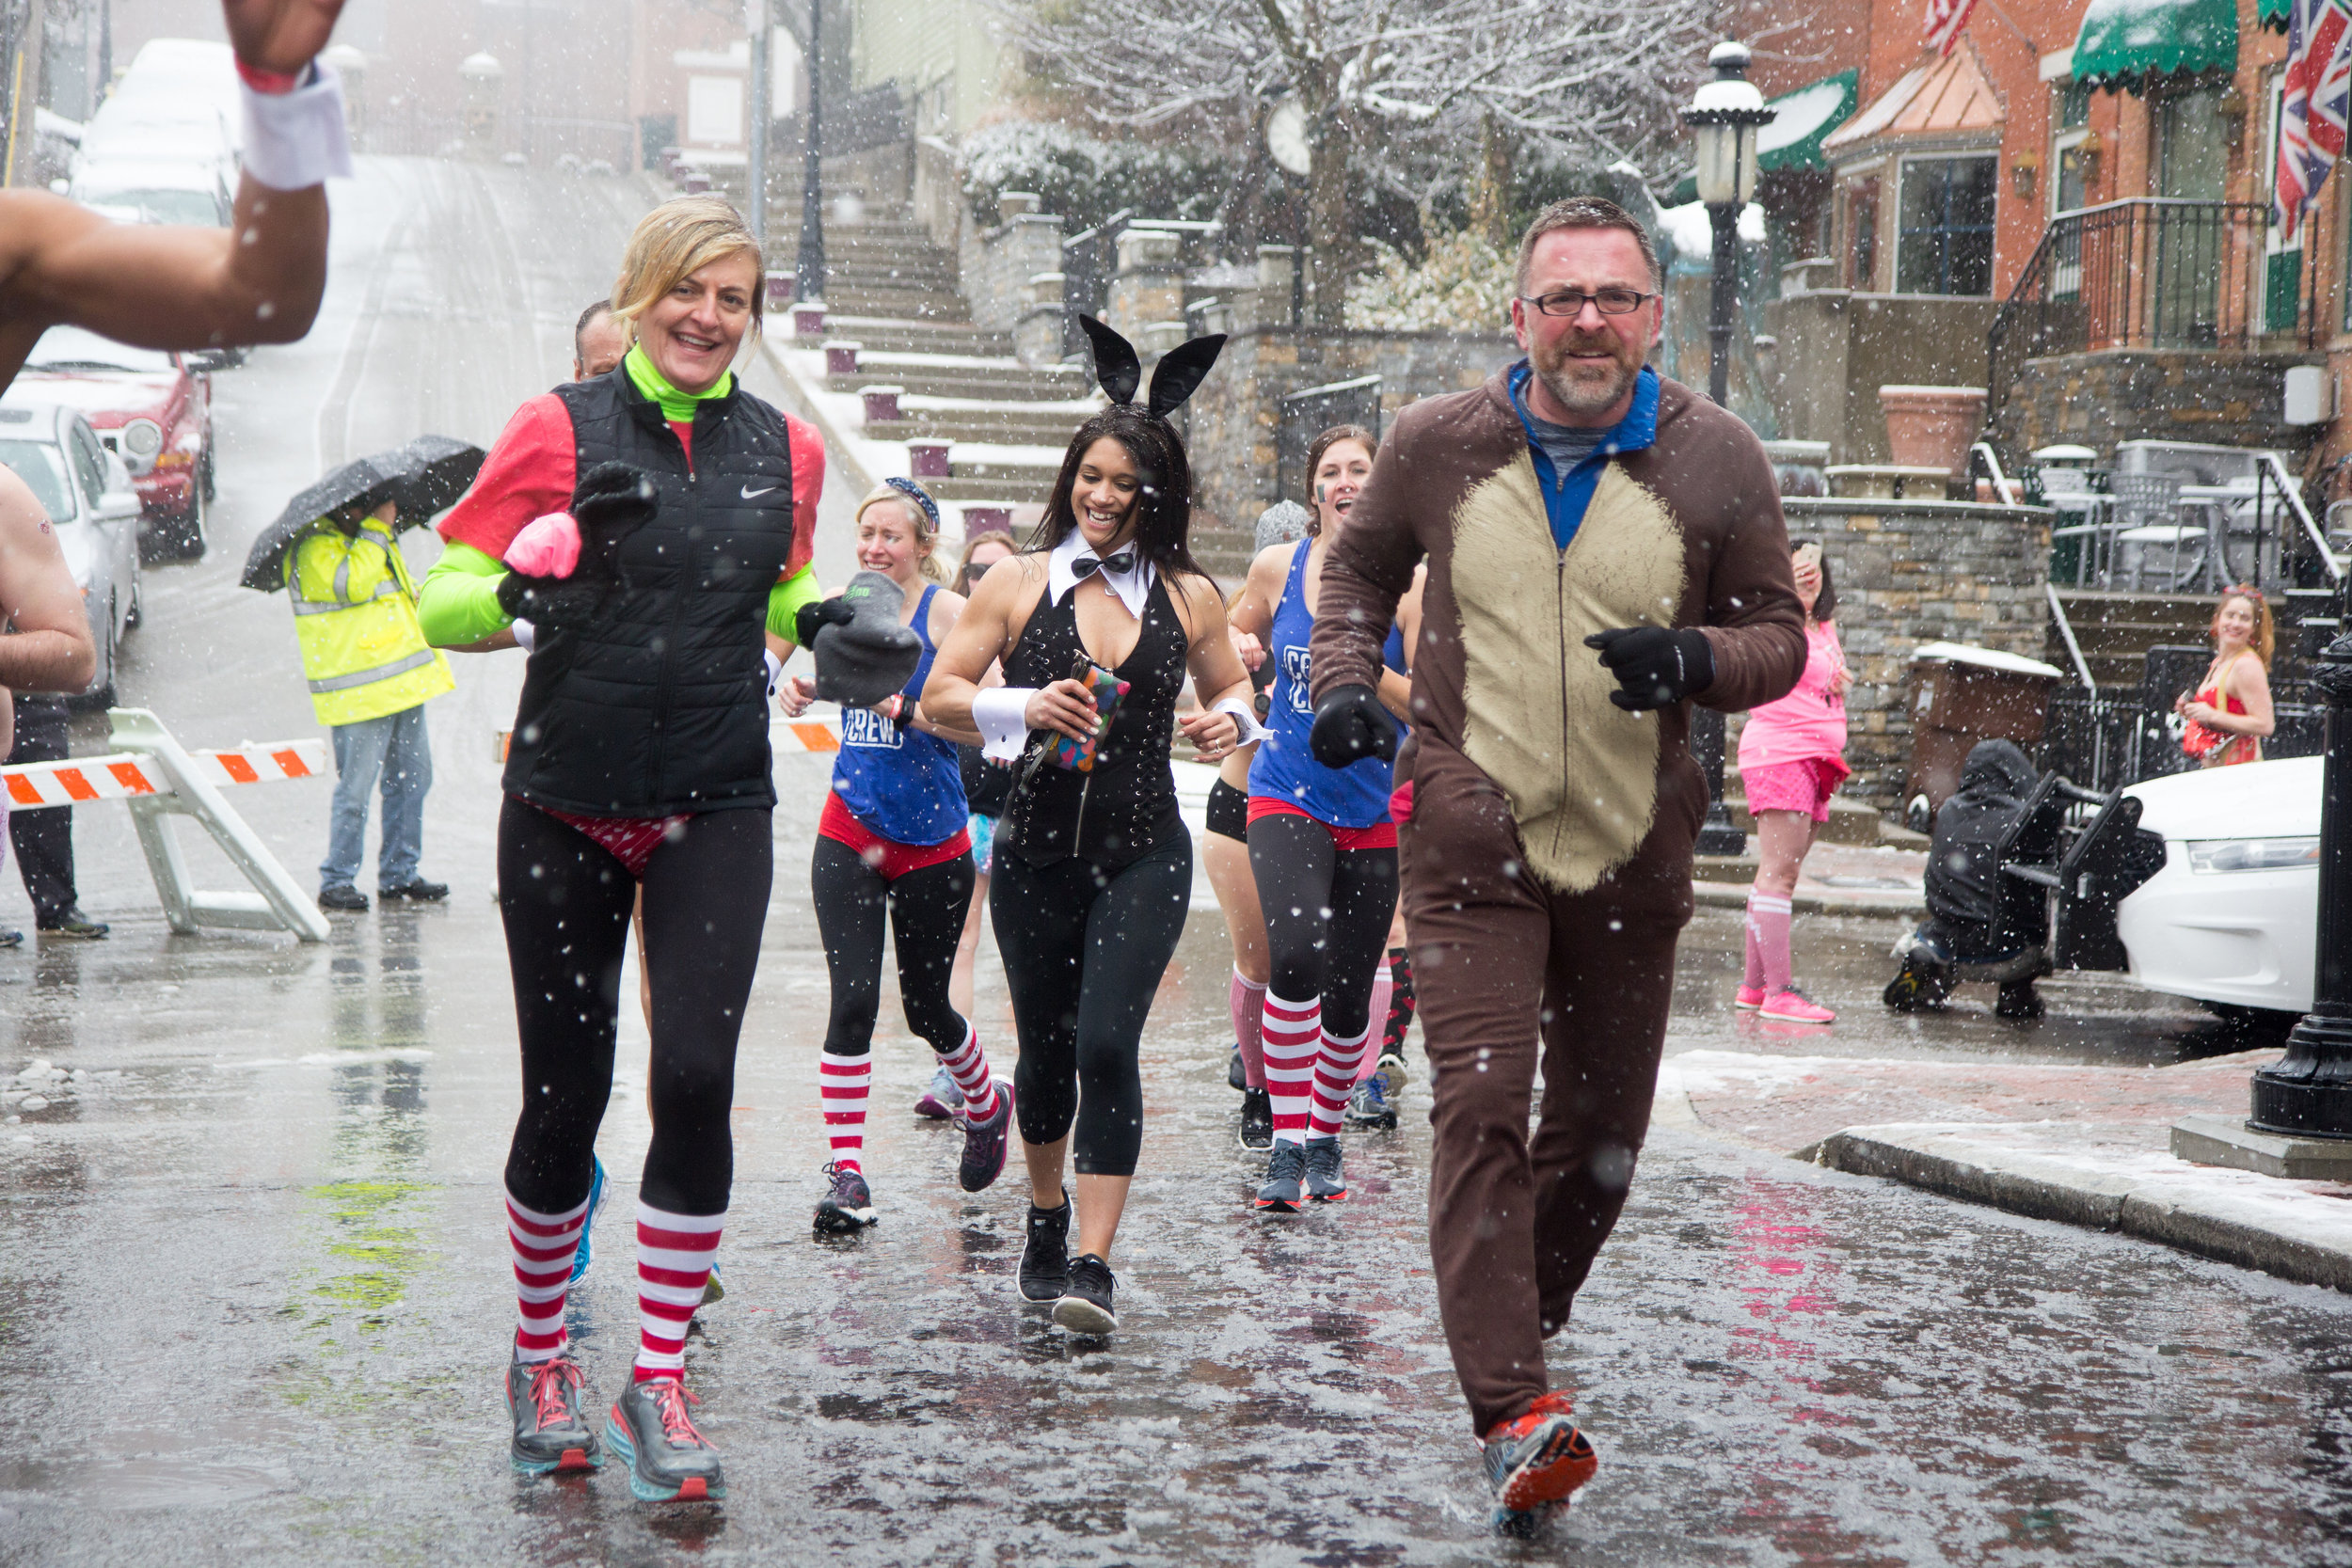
<point x="88" y="496"/>
<point x="2231" y="918"/>
<point x="156" y="190"/>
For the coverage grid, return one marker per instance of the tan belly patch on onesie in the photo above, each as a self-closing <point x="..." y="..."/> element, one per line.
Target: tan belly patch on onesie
<point x="1580" y="774"/>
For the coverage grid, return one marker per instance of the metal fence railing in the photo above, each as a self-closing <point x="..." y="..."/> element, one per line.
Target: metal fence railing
<point x="2106" y="741"/>
<point x="2151" y="272"/>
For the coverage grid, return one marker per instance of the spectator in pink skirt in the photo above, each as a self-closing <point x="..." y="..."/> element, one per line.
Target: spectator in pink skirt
<point x="1791" y="758"/>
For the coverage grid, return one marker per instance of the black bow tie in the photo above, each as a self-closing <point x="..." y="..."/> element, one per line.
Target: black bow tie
<point x="1118" y="565"/>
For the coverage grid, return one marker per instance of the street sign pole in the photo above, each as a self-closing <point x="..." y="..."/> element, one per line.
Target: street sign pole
<point x="756" y="142"/>
<point x="809" y="281"/>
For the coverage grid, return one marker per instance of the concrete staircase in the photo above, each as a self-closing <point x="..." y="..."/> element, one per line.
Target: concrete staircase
<point x="892" y="292"/>
<point x="2117" y="629"/>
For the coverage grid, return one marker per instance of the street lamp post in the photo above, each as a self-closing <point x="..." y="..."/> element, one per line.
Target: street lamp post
<point x="2308" y="1092"/>
<point x="1725" y="117"/>
<point x="756" y="145"/>
<point x="809" y="279"/>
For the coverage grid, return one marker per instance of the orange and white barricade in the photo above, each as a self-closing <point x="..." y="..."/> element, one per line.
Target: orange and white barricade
<point x="157" y="778"/>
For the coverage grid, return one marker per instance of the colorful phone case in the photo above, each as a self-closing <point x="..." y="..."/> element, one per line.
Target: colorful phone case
<point x="1079" y="755"/>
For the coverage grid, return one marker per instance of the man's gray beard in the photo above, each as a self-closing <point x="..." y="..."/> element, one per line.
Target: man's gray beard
<point x="1587" y="398"/>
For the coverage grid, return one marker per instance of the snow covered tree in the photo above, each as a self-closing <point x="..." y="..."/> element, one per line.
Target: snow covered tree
<point x="1416" y="91"/>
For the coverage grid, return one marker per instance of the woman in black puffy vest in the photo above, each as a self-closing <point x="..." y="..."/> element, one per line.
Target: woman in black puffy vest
<point x="644" y="523"/>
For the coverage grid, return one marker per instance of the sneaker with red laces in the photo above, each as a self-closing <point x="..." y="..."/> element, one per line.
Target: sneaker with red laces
<point x="550" y="1435"/>
<point x="668" y="1459"/>
<point x="1535" y="1460"/>
<point x="1748" y="997"/>
<point x="1793" y="1006"/>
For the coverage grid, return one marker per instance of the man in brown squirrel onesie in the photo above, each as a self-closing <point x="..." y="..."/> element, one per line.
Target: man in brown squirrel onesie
<point x="1575" y="505"/>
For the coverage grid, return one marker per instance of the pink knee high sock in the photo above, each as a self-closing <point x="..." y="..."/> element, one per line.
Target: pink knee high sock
<point x="1383" y="991"/>
<point x="1768" y="928"/>
<point x="1752" y="973"/>
<point x="1249" y="1002"/>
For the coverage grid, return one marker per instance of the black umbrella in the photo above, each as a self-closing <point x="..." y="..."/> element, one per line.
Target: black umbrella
<point x="424" y="477"/>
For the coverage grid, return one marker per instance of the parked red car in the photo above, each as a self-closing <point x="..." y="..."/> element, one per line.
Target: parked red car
<point x="153" y="408"/>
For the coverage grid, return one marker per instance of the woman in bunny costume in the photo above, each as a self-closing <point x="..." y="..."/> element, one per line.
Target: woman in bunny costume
<point x="1094" y="864"/>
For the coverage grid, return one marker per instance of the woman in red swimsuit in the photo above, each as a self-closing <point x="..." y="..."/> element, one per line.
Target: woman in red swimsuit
<point x="2230" y="711"/>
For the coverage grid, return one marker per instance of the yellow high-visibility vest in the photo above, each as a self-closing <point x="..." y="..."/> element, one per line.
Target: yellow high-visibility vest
<point x="356" y="615"/>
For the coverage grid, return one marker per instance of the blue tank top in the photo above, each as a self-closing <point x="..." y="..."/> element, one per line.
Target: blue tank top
<point x="901" y="784"/>
<point x="1355" y="796"/>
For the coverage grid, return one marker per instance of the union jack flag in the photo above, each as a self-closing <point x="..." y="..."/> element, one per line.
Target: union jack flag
<point x="2314" y="104"/>
<point x="1946" y="19"/>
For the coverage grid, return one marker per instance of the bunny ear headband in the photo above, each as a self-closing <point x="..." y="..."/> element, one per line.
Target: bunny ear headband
<point x="1181" y="370"/>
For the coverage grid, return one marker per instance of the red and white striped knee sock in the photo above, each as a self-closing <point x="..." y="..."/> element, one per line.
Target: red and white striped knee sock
<point x="967" y="1064"/>
<point x="1335" y="1074"/>
<point x="843" y="1083"/>
<point x="1247" y="998"/>
<point x="673" y="1257"/>
<point x="544" y="1245"/>
<point x="1293" y="1034"/>
<point x="1383" y="989"/>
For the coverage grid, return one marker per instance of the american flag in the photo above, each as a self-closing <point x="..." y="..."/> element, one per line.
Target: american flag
<point x="1946" y="19"/>
<point x="2313" y="105"/>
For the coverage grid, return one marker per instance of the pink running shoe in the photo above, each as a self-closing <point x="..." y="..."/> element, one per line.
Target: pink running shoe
<point x="1794" y="1006"/>
<point x="1749" y="997"/>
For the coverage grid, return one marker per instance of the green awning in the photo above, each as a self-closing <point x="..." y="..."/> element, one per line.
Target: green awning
<point x="1793" y="139"/>
<point x="2125" y="42"/>
<point x="2273" y="13"/>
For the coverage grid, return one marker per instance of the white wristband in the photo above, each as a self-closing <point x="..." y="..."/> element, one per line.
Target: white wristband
<point x="1001" y="715"/>
<point x="776" y="669"/>
<point x="525" y="635"/>
<point x="294" y="140"/>
<point x="1251" y="729"/>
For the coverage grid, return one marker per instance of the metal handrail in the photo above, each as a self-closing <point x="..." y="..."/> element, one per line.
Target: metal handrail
<point x="2267" y="466"/>
<point x="2002" y="485"/>
<point x="2066" y="633"/>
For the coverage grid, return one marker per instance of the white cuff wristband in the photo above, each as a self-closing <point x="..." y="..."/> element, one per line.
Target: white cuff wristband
<point x="525" y="635"/>
<point x="1251" y="729"/>
<point x="776" y="669"/>
<point x="294" y="140"/>
<point x="1001" y="715"/>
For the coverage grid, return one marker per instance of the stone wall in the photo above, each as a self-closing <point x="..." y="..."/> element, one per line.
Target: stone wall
<point x="1912" y="572"/>
<point x="1235" y="417"/>
<point x="1836" y="348"/>
<point x="2224" y="396"/>
<point x="996" y="265"/>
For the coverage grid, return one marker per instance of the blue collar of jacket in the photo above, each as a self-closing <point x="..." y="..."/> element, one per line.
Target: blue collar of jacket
<point x="1566" y="496"/>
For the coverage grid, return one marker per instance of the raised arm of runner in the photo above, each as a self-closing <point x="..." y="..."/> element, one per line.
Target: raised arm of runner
<point x="178" y="287"/>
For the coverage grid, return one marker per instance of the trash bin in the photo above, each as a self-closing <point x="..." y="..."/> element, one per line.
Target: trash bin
<point x="1961" y="695"/>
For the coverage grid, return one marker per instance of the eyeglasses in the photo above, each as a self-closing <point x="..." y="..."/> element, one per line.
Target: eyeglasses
<point x="1567" y="302"/>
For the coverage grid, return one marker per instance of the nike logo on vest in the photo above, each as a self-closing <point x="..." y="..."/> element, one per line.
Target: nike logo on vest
<point x="751" y="495"/>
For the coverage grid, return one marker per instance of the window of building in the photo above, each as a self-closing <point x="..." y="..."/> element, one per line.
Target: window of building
<point x="2192" y="145"/>
<point x="1945" y="245"/>
<point x="714" y="110"/>
<point x="2069" y="188"/>
<point x="1862" y="230"/>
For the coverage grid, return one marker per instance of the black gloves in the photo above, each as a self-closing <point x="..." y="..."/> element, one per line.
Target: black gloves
<point x="1350" y="725"/>
<point x="613" y="500"/>
<point x="1655" y="667"/>
<point x="552" y="603"/>
<point x="814" y="616"/>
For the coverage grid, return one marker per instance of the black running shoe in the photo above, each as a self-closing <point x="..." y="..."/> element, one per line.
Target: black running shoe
<point x="420" y="891"/>
<point x="1237" y="1074"/>
<point x="1325" y="1181"/>
<point x="73" y="923"/>
<point x="544" y="1398"/>
<point x="1285" y="1175"/>
<point x="1257" y="1119"/>
<point x="848" y="1208"/>
<point x="1045" y="1257"/>
<point x="668" y="1459"/>
<point x="1084" y="1307"/>
<point x="342" y="896"/>
<point x="984" y="1144"/>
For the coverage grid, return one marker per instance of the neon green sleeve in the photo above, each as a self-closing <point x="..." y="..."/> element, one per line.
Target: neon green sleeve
<point x="786" y="598"/>
<point x="459" y="601"/>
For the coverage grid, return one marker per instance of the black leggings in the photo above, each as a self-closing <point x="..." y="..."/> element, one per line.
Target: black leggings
<point x="567" y="902"/>
<point x="926" y="910"/>
<point x="1084" y="951"/>
<point x="1326" y="916"/>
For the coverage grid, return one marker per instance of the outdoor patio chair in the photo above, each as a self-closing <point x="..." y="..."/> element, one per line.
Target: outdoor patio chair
<point x="2150" y="535"/>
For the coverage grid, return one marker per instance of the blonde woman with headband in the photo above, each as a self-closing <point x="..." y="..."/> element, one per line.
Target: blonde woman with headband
<point x="653" y="525"/>
<point x="894" y="841"/>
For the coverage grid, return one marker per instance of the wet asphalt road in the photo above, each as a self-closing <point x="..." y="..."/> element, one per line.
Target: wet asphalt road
<point x="254" y="1298"/>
